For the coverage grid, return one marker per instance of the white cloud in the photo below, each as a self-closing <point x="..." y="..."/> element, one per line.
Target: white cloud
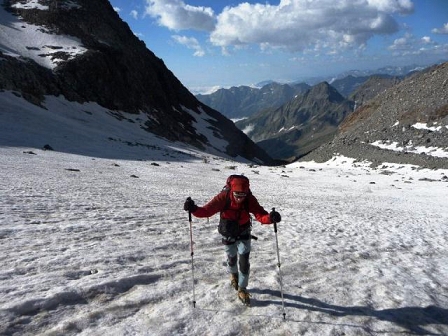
<point x="319" y="26"/>
<point x="402" y="43"/>
<point x="298" y="25"/>
<point x="391" y="6"/>
<point x="443" y="30"/>
<point x="134" y="14"/>
<point x="176" y="15"/>
<point x="426" y="40"/>
<point x="190" y="43"/>
<point x="248" y="129"/>
<point x="410" y="45"/>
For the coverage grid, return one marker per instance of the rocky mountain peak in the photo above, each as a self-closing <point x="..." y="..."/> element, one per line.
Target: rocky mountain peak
<point x="105" y="63"/>
<point x="325" y="91"/>
<point x="300" y="125"/>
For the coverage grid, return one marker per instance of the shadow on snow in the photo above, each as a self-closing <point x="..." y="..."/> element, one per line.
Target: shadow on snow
<point x="411" y="318"/>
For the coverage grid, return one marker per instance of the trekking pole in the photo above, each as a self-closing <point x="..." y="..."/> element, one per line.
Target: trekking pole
<point x="192" y="254"/>
<point x="279" y="270"/>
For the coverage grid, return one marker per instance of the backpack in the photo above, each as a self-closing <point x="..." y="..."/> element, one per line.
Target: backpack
<point x="241" y="179"/>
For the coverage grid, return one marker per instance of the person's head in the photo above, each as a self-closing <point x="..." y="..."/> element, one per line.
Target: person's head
<point x="239" y="188"/>
<point x="239" y="196"/>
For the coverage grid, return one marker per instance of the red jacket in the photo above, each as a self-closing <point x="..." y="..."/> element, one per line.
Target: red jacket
<point x="235" y="211"/>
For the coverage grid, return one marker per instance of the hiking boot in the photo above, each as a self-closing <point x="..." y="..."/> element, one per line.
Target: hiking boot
<point x="244" y="296"/>
<point x="234" y="280"/>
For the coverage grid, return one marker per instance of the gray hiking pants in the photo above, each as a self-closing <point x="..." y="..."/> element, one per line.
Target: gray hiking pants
<point x="238" y="260"/>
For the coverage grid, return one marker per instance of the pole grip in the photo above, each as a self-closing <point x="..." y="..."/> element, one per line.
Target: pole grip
<point x="275" y="223"/>
<point x="189" y="211"/>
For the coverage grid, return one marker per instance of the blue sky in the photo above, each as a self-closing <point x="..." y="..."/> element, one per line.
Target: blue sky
<point x="220" y="43"/>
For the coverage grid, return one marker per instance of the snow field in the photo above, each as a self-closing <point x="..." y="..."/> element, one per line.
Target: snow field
<point x="87" y="249"/>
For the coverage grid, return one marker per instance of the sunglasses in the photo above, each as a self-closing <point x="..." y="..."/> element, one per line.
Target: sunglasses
<point x="237" y="194"/>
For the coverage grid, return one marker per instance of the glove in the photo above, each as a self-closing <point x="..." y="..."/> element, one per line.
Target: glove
<point x="275" y="217"/>
<point x="189" y="205"/>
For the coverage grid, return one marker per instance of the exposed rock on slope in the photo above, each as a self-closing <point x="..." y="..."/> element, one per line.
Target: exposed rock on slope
<point x="392" y="118"/>
<point x="372" y="87"/>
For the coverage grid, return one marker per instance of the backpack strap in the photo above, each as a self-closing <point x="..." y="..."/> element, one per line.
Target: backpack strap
<point x="228" y="201"/>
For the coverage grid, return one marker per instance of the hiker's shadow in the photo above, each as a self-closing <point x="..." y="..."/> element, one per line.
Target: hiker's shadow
<point x="411" y="318"/>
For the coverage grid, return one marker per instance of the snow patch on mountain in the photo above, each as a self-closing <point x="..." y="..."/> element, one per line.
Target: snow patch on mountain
<point x="21" y="39"/>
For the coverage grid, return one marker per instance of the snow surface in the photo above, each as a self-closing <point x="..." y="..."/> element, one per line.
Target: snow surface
<point x="20" y="39"/>
<point x="431" y="128"/>
<point x="94" y="240"/>
<point x="410" y="148"/>
<point x="30" y="4"/>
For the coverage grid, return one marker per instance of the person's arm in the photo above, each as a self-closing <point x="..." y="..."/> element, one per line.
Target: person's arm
<point x="215" y="205"/>
<point x="258" y="211"/>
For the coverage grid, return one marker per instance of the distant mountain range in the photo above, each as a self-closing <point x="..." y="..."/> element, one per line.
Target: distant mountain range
<point x="290" y="120"/>
<point x="244" y="101"/>
<point x="300" y="125"/>
<point x="393" y="71"/>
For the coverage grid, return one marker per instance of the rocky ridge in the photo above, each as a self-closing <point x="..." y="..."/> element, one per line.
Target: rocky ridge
<point x="391" y="118"/>
<point x="243" y="101"/>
